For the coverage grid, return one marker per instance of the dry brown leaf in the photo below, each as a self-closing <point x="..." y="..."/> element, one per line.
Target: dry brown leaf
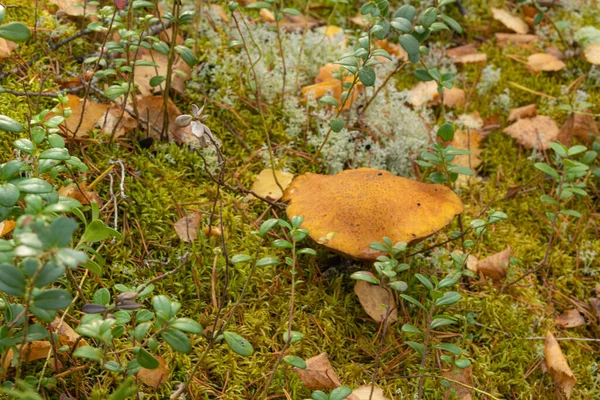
<point x="528" y="111"/>
<point x="181" y="72"/>
<point x="426" y="93"/>
<point x="509" y="20"/>
<point x="364" y="393"/>
<point x="467" y="141"/>
<point x="220" y="11"/>
<point x="155" y="377"/>
<point x="325" y="83"/>
<point x="214" y="231"/>
<point x="267" y="15"/>
<point x="32" y="351"/>
<point x="538" y="131"/>
<point x="570" y="319"/>
<point x="73" y="8"/>
<point x="555" y="51"/>
<point x="187" y="227"/>
<point x="6" y="48"/>
<point x="544" y="62"/>
<point x="296" y="23"/>
<point x="472" y="120"/>
<point x="319" y="374"/>
<point x="374" y="299"/>
<point x="90" y="114"/>
<point x="266" y="187"/>
<point x="495" y="265"/>
<point x="465" y="376"/>
<point x="6" y="227"/>
<point x="558" y="366"/>
<point x="117" y="121"/>
<point x="150" y="108"/>
<point x="79" y="192"/>
<point x="463" y="50"/>
<point x="66" y="334"/>
<point x="579" y="126"/>
<point x="504" y="39"/>
<point x="393" y="49"/>
<point x="595" y="303"/>
<point x="592" y="53"/>
<point x="471" y="58"/>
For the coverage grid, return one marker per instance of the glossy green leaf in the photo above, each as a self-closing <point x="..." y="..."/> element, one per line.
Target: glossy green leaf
<point x="146" y="359"/>
<point x="238" y="344"/>
<point x="177" y="340"/>
<point x="15" y="32"/>
<point x="295" y="361"/>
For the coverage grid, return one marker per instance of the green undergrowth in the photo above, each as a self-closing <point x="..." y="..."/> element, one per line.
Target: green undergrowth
<point x="166" y="182"/>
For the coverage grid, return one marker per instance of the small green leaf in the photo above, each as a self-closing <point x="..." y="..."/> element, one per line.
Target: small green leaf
<point x="34" y="185"/>
<point x="446" y="131"/>
<point x="413" y="301"/>
<point x="448" y="298"/>
<point x="240" y="258"/>
<point x="53" y="299"/>
<point x="9" y="194"/>
<point x="547" y="169"/>
<point x="9" y="124"/>
<point x="451" y="22"/>
<point x="462" y="363"/>
<point x="296" y="337"/>
<point x="89" y="352"/>
<point x="187" y="325"/>
<point x="259" y="4"/>
<point x="452" y="348"/>
<point x="12" y="280"/>
<point x="367" y="76"/>
<point x="411" y="45"/>
<point x="365" y="276"/>
<point x="238" y="344"/>
<point x="295" y="361"/>
<point x="336" y="124"/>
<point x="340" y="393"/>
<point x="177" y="340"/>
<point x="15" y="32"/>
<point x="425" y="281"/>
<point x="441" y="321"/>
<point x="411" y="329"/>
<point x="156" y="80"/>
<point x="146" y="359"/>
<point x="418" y="347"/>
<point x="266" y="261"/>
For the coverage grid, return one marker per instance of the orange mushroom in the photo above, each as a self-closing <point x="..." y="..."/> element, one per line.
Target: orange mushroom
<point x="349" y="211"/>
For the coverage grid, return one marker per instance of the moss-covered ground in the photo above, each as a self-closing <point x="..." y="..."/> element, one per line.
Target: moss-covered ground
<point x="167" y="181"/>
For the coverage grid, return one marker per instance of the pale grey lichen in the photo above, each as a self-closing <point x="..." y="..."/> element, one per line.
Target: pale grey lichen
<point x="490" y="76"/>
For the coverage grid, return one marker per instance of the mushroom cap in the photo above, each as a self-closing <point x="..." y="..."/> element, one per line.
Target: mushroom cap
<point x="349" y="211"/>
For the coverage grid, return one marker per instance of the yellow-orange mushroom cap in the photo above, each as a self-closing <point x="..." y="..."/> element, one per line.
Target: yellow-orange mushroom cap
<point x="348" y="211"/>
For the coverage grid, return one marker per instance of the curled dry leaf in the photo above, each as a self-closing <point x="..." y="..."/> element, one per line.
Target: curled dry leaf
<point x="319" y="374"/>
<point x="74" y="8"/>
<point x="187" y="227"/>
<point x="427" y="93"/>
<point x="538" y="131"/>
<point x="494" y="266"/>
<point x="32" y="351"/>
<point x="364" y="393"/>
<point x="558" y="366"/>
<point x="592" y="53"/>
<point x="570" y="319"/>
<point x="544" y="62"/>
<point x="6" y="227"/>
<point x="79" y="192"/>
<point x="375" y="300"/>
<point x="66" y="334"/>
<point x="154" y="377"/>
<point x="528" y="111"/>
<point x="6" y="48"/>
<point x="504" y="39"/>
<point x="85" y="115"/>
<point x="509" y="20"/>
<point x="326" y="83"/>
<point x="266" y="187"/>
<point x="579" y="126"/>
<point x="464" y="376"/>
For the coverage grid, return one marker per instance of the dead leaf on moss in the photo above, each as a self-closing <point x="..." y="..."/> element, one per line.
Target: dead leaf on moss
<point x="6" y="227"/>
<point x="579" y="126"/>
<point x="509" y="20"/>
<point x="528" y="111"/>
<point x="74" y="8"/>
<point x="265" y="185"/>
<point x="555" y="51"/>
<point x="319" y="374"/>
<point x="32" y="351"/>
<point x="538" y="131"/>
<point x="504" y="39"/>
<point x="154" y="377"/>
<point x="592" y="53"/>
<point x="463" y="50"/>
<point x="364" y="393"/>
<point x="66" y="334"/>
<point x="465" y="376"/>
<point x="472" y="263"/>
<point x="88" y="112"/>
<point x="595" y="304"/>
<point x="143" y="74"/>
<point x="494" y="266"/>
<point x="220" y="11"/>
<point x="471" y="58"/>
<point x="187" y="227"/>
<point x="150" y="108"/>
<point x="214" y="231"/>
<point x="544" y="62"/>
<point x="327" y="82"/>
<point x="467" y="141"/>
<point x="374" y="299"/>
<point x="427" y="93"/>
<point x="570" y="319"/>
<point x="79" y="192"/>
<point x="6" y="48"/>
<point x="558" y="366"/>
<point x="117" y="121"/>
<point x="472" y="120"/>
<point x="297" y="23"/>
